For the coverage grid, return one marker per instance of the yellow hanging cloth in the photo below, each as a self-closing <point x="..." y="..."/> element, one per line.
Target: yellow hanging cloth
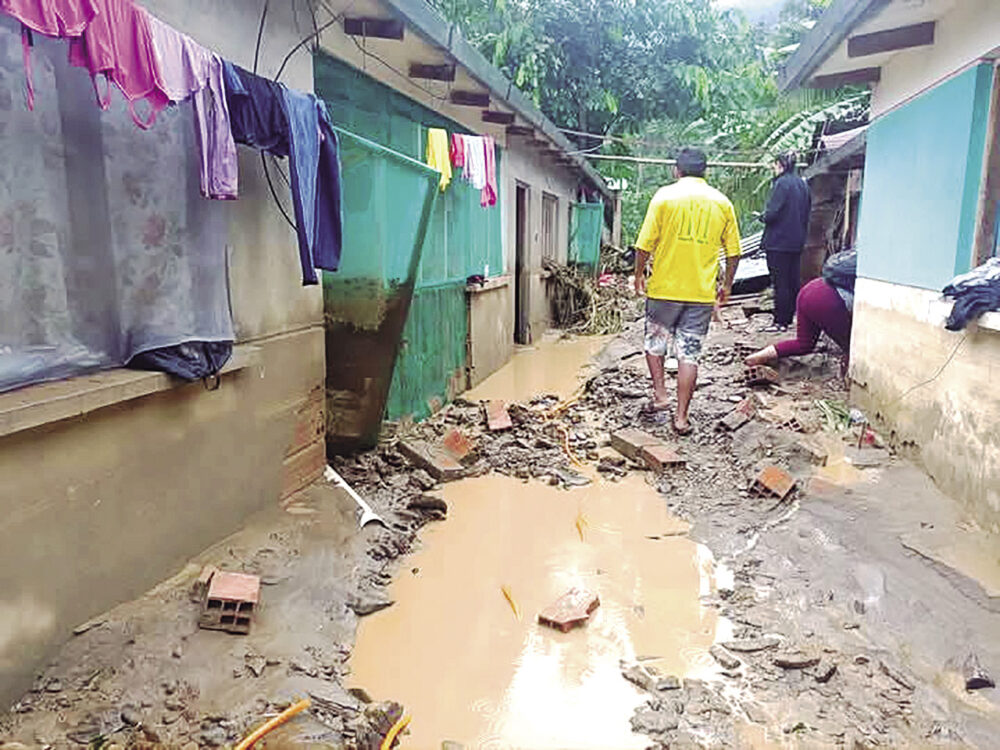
<point x="437" y="154"/>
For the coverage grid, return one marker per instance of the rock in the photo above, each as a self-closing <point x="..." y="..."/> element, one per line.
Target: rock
<point x="755" y="712"/>
<point x="896" y="676"/>
<point x="53" y="686"/>
<point x="173" y="704"/>
<point x="976" y="677"/>
<point x="151" y="735"/>
<point x="570" y="610"/>
<point x="429" y="505"/>
<point x="423" y="480"/>
<point x="638" y="675"/>
<point x="751" y="645"/>
<point x="80" y="630"/>
<point x="825" y="671"/>
<point x="368" y="605"/>
<point x="646" y="720"/>
<point x="795" y="660"/>
<point x="213" y="736"/>
<point x="726" y="660"/>
<point x="190" y="746"/>
<point x="255" y="663"/>
<point x="177" y="652"/>
<point x="169" y="717"/>
<point x="361" y="694"/>
<point x="571" y="478"/>
<point x="668" y="683"/>
<point x="130" y="715"/>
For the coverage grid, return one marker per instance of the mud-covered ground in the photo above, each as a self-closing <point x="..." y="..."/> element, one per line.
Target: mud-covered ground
<point x="846" y="632"/>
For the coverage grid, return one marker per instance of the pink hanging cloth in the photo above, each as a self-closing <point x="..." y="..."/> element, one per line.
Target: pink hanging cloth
<point x="457" y="150"/>
<point x="118" y="45"/>
<point x="58" y="18"/>
<point x="188" y="70"/>
<point x="488" y="195"/>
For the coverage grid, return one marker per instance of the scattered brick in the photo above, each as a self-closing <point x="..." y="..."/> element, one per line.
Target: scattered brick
<point x="773" y="482"/>
<point x="457" y="444"/>
<point x="795" y="660"/>
<point x="760" y="375"/>
<point x="570" y="610"/>
<point x="660" y="457"/>
<point x="745" y="348"/>
<point x="743" y="413"/>
<point x="497" y="416"/>
<point x="630" y="442"/>
<point x="231" y="602"/>
<point x="436" y="462"/>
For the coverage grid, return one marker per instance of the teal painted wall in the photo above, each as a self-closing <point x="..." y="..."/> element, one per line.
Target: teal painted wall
<point x="922" y="178"/>
<point x="463" y="238"/>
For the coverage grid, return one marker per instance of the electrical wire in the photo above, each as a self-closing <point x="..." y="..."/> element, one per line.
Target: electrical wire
<point x="260" y="35"/>
<point x="935" y="376"/>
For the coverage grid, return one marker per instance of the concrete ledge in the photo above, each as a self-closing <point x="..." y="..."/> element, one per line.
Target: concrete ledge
<point x="941" y="309"/>
<point x="497" y="282"/>
<point x="36" y="405"/>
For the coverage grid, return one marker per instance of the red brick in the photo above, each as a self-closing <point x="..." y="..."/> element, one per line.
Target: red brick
<point x="434" y="461"/>
<point x="570" y="610"/>
<point x="630" y="442"/>
<point x="231" y="602"/>
<point x="199" y="589"/>
<point x="660" y="457"/>
<point x="760" y="375"/>
<point x="457" y="444"/>
<point x="497" y="416"/>
<point x="775" y="482"/>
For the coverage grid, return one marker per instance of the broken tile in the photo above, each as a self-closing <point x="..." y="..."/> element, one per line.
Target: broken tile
<point x="457" y="444"/>
<point x="774" y="482"/>
<point x="439" y="464"/>
<point x="630" y="442"/>
<point x="660" y="457"/>
<point x="570" y="610"/>
<point x="497" y="416"/>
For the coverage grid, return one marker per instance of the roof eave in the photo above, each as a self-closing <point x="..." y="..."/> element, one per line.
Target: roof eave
<point x="436" y="30"/>
<point x="833" y="27"/>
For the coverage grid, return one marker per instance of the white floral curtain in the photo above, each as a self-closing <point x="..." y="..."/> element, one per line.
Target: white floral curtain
<point x="107" y="248"/>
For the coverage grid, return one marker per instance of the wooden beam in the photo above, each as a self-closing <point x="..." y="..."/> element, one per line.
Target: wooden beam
<point x="538" y="143"/>
<point x="498" y="118"/>
<point x="522" y="130"/>
<point x="904" y="37"/>
<point x="378" y="28"/>
<point x="470" y="98"/>
<point x="835" y="80"/>
<point x="432" y="72"/>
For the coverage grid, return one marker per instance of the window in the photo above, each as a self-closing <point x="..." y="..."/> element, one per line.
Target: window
<point x="550" y="226"/>
<point x="987" y="242"/>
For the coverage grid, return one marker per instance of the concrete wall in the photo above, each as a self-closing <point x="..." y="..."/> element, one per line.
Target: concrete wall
<point x="899" y="342"/>
<point x="524" y="165"/>
<point x="967" y="32"/>
<point x="96" y="509"/>
<point x="922" y="180"/>
<point x="491" y="329"/>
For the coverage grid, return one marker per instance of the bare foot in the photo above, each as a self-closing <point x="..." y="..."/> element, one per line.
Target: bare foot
<point x="682" y="426"/>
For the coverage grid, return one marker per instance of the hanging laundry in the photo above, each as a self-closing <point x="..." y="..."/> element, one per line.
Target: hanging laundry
<point x="475" y="161"/>
<point x="457" y="150"/>
<point x="57" y="18"/>
<point x="266" y="115"/>
<point x="488" y="194"/>
<point x="438" y="156"/>
<point x="188" y="70"/>
<point x="118" y="45"/>
<point x="256" y="110"/>
<point x="315" y="182"/>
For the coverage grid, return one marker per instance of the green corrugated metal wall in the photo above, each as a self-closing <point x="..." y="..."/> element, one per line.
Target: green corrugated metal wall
<point x="586" y="220"/>
<point x="463" y="239"/>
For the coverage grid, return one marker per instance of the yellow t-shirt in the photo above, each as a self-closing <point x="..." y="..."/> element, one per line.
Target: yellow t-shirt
<point x="685" y="226"/>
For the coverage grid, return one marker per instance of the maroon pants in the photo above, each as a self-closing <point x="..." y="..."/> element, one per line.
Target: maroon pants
<point x="819" y="309"/>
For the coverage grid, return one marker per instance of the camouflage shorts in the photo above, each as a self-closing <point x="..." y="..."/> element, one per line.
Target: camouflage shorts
<point x="686" y="323"/>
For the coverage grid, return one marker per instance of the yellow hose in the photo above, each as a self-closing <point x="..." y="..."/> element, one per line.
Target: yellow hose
<point x="510" y="600"/>
<point x="274" y="723"/>
<point x="390" y="736"/>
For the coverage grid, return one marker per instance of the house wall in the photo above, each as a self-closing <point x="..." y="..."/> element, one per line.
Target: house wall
<point x="524" y="165"/>
<point x="899" y="344"/>
<point x="491" y="329"/>
<point x="967" y="32"/>
<point x="923" y="172"/>
<point x="98" y="508"/>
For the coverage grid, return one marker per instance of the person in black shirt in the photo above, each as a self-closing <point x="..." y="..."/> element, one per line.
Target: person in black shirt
<point x="786" y="224"/>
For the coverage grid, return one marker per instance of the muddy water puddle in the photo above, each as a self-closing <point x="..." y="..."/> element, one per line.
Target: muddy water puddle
<point x="552" y="366"/>
<point x="453" y="652"/>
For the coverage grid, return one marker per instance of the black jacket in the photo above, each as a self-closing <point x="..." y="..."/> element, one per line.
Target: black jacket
<point x="786" y="220"/>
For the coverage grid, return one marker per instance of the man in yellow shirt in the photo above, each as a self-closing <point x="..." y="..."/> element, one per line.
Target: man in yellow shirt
<point x="685" y="226"/>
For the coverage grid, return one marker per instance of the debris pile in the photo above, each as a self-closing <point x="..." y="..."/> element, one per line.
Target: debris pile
<point x="584" y="304"/>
